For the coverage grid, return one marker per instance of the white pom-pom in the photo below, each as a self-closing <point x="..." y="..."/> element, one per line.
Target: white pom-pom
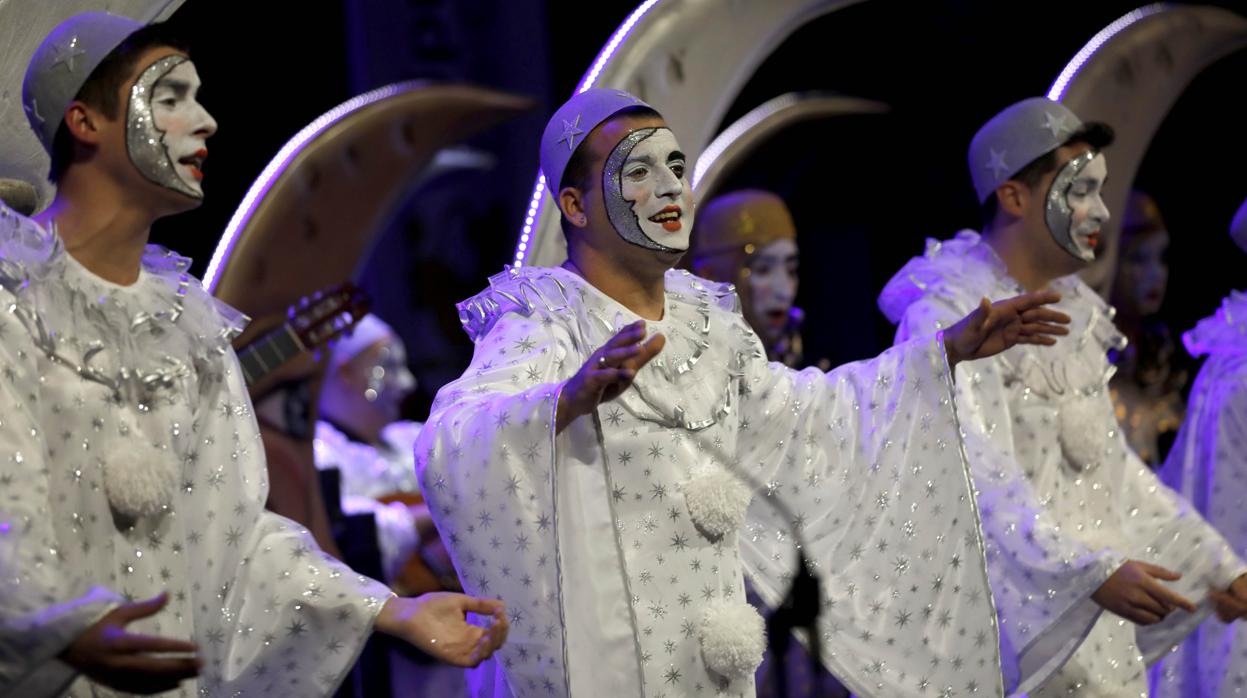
<point x="717" y="500"/>
<point x="139" y="480"/>
<point x="1083" y="433"/>
<point x="732" y="639"/>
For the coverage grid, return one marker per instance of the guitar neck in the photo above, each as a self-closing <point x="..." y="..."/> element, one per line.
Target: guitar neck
<point x="268" y="353"/>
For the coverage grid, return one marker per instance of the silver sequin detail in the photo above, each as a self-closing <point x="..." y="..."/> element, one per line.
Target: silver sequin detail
<point x="618" y="209"/>
<point x="144" y="142"/>
<point x="1058" y="213"/>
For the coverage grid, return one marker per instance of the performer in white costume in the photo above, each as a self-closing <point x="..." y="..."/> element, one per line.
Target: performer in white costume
<point x="359" y="433"/>
<point x="748" y="238"/>
<point x="1208" y="464"/>
<point x="1074" y="521"/>
<point x="602" y="482"/>
<point x="135" y="551"/>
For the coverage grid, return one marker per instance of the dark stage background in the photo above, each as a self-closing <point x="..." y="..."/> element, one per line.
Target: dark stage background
<point x="863" y="189"/>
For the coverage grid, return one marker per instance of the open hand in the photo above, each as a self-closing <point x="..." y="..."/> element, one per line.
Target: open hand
<point x="1231" y="604"/>
<point x="437" y="624"/>
<point x="995" y="327"/>
<point x="608" y="372"/>
<point x="1134" y="593"/>
<point x="109" y="654"/>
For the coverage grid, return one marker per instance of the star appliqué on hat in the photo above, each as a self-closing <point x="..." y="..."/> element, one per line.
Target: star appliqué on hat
<point x="1054" y="123"/>
<point x="571" y="129"/>
<point x="67" y="53"/>
<point x="997" y="163"/>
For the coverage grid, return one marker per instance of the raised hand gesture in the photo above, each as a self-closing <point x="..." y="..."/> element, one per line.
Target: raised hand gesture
<point x="608" y="372"/>
<point x="995" y="327"/>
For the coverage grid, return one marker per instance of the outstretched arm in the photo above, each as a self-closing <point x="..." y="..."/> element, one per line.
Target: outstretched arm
<point x="994" y="327"/>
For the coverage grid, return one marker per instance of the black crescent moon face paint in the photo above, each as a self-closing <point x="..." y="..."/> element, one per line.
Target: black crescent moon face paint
<point x="646" y="191"/>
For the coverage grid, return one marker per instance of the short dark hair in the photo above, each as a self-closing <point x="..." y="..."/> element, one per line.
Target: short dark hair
<point x="1096" y="134"/>
<point x="102" y="85"/>
<point x="577" y="174"/>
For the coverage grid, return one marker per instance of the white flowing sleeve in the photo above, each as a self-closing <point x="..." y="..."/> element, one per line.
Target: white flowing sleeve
<point x="44" y="602"/>
<point x="277" y="613"/>
<point x="1163" y="528"/>
<point x="867" y="462"/>
<point x="1208" y="466"/>
<point x="486" y="459"/>
<point x="1042" y="579"/>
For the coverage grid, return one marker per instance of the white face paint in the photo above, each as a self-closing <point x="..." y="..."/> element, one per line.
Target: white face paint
<point x="168" y="129"/>
<point x="389" y="379"/>
<point x="1075" y="211"/>
<point x="772" y="288"/>
<point x="1089" y="212"/>
<point x="648" y="198"/>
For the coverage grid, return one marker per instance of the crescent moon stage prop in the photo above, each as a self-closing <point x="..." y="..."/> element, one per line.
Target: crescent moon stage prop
<point x="309" y="219"/>
<point x="19" y="195"/>
<point x="308" y="222"/>
<point x="748" y="133"/>
<point x="1130" y="75"/>
<point x="23" y="25"/>
<point x="689" y="59"/>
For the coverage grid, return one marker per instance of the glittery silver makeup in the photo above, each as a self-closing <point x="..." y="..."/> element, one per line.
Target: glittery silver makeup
<point x="619" y="209"/>
<point x="146" y="143"/>
<point x="1058" y="213"/>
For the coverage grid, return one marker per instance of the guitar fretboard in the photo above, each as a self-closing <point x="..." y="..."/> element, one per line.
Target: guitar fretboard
<point x="266" y="354"/>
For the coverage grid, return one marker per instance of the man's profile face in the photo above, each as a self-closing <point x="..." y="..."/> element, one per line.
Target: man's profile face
<point x="1073" y="210"/>
<point x="166" y="127"/>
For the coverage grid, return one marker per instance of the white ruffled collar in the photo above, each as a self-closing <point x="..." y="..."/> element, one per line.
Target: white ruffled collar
<point x="1224" y="332"/>
<point x="691" y="385"/>
<point x="156" y="346"/>
<point x="135" y="339"/>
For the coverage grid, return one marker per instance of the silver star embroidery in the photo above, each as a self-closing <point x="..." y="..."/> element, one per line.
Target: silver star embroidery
<point x="997" y="164"/>
<point x="1054" y="123"/>
<point x="68" y="53"/>
<point x="570" y="131"/>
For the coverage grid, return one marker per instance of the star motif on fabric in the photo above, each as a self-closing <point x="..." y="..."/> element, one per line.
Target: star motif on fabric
<point x="1055" y="123"/>
<point x="671" y="676"/>
<point x="997" y="164"/>
<point x="513" y="484"/>
<point x="615" y="416"/>
<point x="571" y="129"/>
<point x="67" y="53"/>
